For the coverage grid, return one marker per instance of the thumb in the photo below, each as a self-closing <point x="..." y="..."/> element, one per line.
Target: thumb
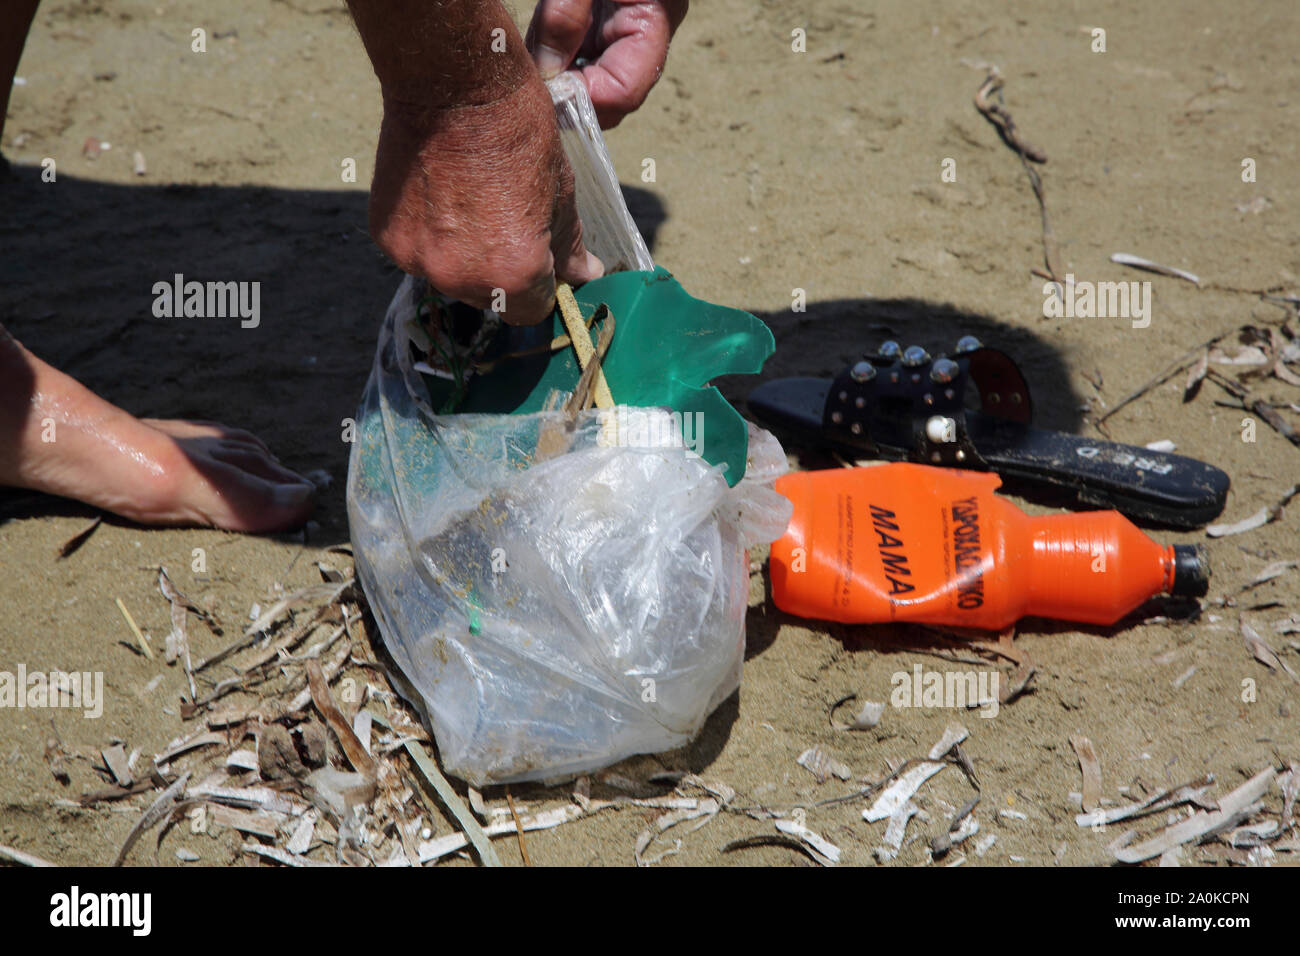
<point x="556" y="33"/>
<point x="573" y="262"/>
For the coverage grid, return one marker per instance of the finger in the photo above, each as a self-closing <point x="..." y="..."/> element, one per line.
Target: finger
<point x="533" y="303"/>
<point x="574" y="263"/>
<point x="635" y="46"/>
<point x="556" y="33"/>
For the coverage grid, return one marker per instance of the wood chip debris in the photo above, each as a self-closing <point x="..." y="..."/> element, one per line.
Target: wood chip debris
<point x="283" y="856"/>
<point x="115" y="761"/>
<point x="177" y="643"/>
<point x="961" y="826"/>
<point x="251" y="798"/>
<point x="547" y="819"/>
<point x="21" y="857"/>
<point x="821" y="765"/>
<point x="160" y="808"/>
<point x="867" y="717"/>
<point x="1196" y="375"/>
<point x="824" y="851"/>
<point x="257" y="822"/>
<point x="1090" y="766"/>
<point x="1193" y="792"/>
<point x="1264" y="653"/>
<point x="895" y="832"/>
<point x="1232" y="810"/>
<point x="1270" y="572"/>
<point x="953" y="734"/>
<point x="1137" y="262"/>
<point x="901" y="791"/>
<point x="81" y="537"/>
<point x="1257" y="520"/>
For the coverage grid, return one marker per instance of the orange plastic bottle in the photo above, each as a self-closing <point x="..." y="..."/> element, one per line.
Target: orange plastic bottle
<point x="904" y="542"/>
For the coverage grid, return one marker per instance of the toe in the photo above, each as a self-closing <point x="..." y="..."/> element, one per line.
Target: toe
<point x="194" y="428"/>
<point x="257" y="462"/>
<point x="240" y="500"/>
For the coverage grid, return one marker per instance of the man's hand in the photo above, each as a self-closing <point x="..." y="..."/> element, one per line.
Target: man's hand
<point x="471" y="187"/>
<point x="479" y="199"/>
<point x="625" y="40"/>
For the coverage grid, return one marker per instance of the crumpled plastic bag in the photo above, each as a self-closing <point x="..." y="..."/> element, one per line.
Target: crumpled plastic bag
<point x="552" y="617"/>
<point x="549" y="618"/>
<point x="607" y="227"/>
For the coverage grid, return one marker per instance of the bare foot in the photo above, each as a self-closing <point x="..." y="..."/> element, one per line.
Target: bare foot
<point x="58" y="437"/>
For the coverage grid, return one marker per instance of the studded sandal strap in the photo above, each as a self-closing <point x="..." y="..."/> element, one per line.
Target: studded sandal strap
<point x="901" y="403"/>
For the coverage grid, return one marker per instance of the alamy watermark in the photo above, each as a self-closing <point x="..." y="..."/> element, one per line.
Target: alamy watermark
<point x="961" y="690"/>
<point x="38" y="690"/>
<point x="652" y="428"/>
<point x="208" y="300"/>
<point x="1098" y="300"/>
<point x="74" y="909"/>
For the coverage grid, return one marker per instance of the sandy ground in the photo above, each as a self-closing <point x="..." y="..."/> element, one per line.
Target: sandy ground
<point x="775" y="170"/>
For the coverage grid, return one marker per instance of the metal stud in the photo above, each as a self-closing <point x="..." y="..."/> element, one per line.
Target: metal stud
<point x="914" y="356"/>
<point x="862" y="372"/>
<point x="844" y="396"/>
<point x="889" y="349"/>
<point x="836" y="417"/>
<point x="860" y="402"/>
<point x="944" y="370"/>
<point x="856" y="428"/>
<point x="968" y="343"/>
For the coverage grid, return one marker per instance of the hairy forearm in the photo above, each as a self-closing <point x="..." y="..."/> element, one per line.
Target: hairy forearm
<point x="431" y="54"/>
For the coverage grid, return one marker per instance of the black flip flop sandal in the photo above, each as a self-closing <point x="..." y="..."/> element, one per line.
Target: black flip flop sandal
<point x="902" y="405"/>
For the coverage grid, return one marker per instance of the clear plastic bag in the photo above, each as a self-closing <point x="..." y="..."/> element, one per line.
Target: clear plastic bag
<point x="549" y="618"/>
<point x="607" y="226"/>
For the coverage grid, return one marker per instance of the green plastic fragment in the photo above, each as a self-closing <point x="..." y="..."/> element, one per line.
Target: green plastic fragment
<point x="667" y="347"/>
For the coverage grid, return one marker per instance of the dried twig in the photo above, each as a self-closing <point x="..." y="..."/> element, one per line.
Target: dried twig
<point x="1170" y="370"/>
<point x="1256" y="405"/>
<point x="999" y="117"/>
<point x="519" y="830"/>
<point x="1146" y="265"/>
<point x="581" y="339"/>
<point x="162" y="806"/>
<point x="144" y="645"/>
<point x="22" y="858"/>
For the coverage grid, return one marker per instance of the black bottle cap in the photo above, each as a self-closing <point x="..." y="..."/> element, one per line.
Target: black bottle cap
<point x="1191" y="571"/>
